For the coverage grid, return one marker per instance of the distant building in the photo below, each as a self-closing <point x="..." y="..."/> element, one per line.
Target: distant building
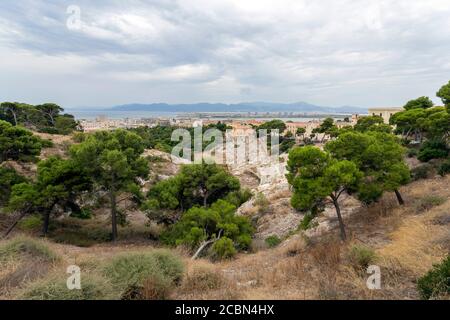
<point x="385" y="113"/>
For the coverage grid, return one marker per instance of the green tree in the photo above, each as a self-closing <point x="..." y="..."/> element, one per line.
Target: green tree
<point x="372" y="123"/>
<point x="444" y="94"/>
<point x="273" y="125"/>
<point x="8" y="178"/>
<point x="379" y="156"/>
<point x="59" y="183"/>
<point x="419" y="103"/>
<point x="201" y="227"/>
<point x="113" y="161"/>
<point x="17" y="143"/>
<point x="301" y="132"/>
<point x="50" y="112"/>
<point x="315" y="176"/>
<point x="327" y="128"/>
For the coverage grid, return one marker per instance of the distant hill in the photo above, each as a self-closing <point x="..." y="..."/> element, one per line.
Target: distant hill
<point x="239" y="107"/>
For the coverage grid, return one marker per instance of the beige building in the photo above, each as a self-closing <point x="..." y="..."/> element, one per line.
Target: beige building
<point x="385" y="113"/>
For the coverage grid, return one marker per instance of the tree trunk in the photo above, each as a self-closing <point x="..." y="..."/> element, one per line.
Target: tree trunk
<point x="205" y="201"/>
<point x="11" y="228"/>
<point x="112" y="196"/>
<point x="205" y="244"/>
<point x="15" y="117"/>
<point x="341" y="221"/>
<point x="399" y="197"/>
<point x="45" y="224"/>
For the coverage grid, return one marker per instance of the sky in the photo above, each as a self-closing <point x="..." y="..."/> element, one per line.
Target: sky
<point x="363" y="53"/>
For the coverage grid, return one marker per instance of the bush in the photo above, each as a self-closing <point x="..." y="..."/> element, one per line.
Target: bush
<point x="204" y="224"/>
<point x="306" y="222"/>
<point x="30" y="223"/>
<point x="411" y="153"/>
<point x="444" y="168"/>
<point x="273" y="241"/>
<point x="262" y="203"/>
<point x="361" y="257"/>
<point x="428" y="202"/>
<point x="223" y="249"/>
<point x="203" y="279"/>
<point x="83" y="214"/>
<point x="436" y="282"/>
<point x="92" y="288"/>
<point x="139" y="275"/>
<point x="433" y="149"/>
<point x="421" y="172"/>
<point x="28" y="247"/>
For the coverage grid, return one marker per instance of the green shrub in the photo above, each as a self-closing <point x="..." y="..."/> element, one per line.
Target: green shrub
<point x="428" y="202"/>
<point x="83" y="214"/>
<point x="436" y="282"/>
<point x="433" y="149"/>
<point x="444" y="168"/>
<point x="412" y="153"/>
<point x="224" y="249"/>
<point x="30" y="223"/>
<point x="129" y="272"/>
<point x="92" y="288"/>
<point x="237" y="198"/>
<point x="361" y="256"/>
<point x="421" y="172"/>
<point x="202" y="224"/>
<point x="262" y="203"/>
<point x="26" y="247"/>
<point x="306" y="222"/>
<point x="273" y="241"/>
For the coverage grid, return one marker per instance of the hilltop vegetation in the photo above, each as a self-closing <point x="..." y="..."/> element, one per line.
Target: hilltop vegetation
<point x="109" y="203"/>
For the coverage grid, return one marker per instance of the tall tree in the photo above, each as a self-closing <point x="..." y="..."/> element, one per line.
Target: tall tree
<point x="50" y="111"/>
<point x="315" y="176"/>
<point x="113" y="160"/>
<point x="379" y="156"/>
<point x="59" y="182"/>
<point x="419" y="103"/>
<point x="444" y="94"/>
<point x="17" y="143"/>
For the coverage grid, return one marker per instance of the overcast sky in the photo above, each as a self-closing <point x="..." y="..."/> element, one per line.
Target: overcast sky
<point x="327" y="52"/>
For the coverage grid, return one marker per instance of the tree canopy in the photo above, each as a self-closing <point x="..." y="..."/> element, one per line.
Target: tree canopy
<point x="113" y="161"/>
<point x="47" y="117"/>
<point x="315" y="176"/>
<point x="17" y="143"/>
<point x="419" y="103"/>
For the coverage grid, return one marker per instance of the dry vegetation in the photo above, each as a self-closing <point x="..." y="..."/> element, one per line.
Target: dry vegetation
<point x="404" y="241"/>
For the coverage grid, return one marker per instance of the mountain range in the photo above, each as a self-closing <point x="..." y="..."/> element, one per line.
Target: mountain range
<point x="300" y="107"/>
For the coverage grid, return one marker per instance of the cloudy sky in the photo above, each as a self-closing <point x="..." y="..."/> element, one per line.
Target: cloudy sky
<point x="327" y="52"/>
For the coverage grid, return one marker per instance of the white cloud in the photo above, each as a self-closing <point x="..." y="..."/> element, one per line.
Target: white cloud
<point x="368" y="52"/>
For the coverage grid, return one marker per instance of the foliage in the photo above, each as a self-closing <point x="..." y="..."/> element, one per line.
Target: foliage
<point x="261" y="202"/>
<point x="47" y="117"/>
<point x="444" y="168"/>
<point x="419" y="103"/>
<point x="273" y="125"/>
<point x="315" y="176"/>
<point x="59" y="182"/>
<point x="436" y="282"/>
<point x="224" y="249"/>
<point x="204" y="224"/>
<point x="428" y="202"/>
<point x="444" y="94"/>
<point x="113" y="161"/>
<point x="196" y="184"/>
<point x="25" y="247"/>
<point x="55" y="288"/>
<point x="378" y="155"/>
<point x="8" y="178"/>
<point x="273" y="241"/>
<point x="433" y="149"/>
<point x="129" y="273"/>
<point x="17" y="143"/>
<point x="421" y="172"/>
<point x="361" y="256"/>
<point x="372" y="123"/>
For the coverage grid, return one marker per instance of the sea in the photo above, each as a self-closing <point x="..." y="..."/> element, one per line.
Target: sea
<point x="90" y="114"/>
